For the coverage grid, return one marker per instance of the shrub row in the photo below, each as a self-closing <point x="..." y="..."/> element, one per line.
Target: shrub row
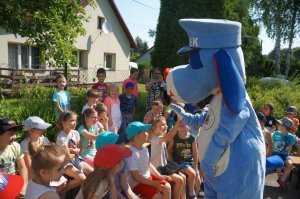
<point x="37" y="101"/>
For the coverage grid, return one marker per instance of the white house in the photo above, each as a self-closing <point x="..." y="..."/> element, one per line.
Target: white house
<point x="94" y="50"/>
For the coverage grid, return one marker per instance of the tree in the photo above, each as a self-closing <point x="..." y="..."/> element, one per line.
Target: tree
<point x="142" y="47"/>
<point x="50" y="25"/>
<point x="170" y="36"/>
<point x="273" y="15"/>
<point x="292" y="21"/>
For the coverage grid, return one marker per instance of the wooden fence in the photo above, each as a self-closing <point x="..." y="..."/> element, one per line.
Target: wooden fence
<point x="15" y="78"/>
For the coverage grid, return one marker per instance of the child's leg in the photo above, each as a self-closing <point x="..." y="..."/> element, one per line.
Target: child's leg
<point x="157" y="196"/>
<point x="179" y="184"/>
<point x="288" y="168"/>
<point x="87" y="169"/>
<point x="190" y="172"/>
<point x="298" y="148"/>
<point x="166" y="194"/>
<point x="197" y="183"/>
<point x="77" y="177"/>
<point x="183" y="190"/>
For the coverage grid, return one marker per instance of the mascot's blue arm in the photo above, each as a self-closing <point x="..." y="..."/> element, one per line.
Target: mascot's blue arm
<point x="196" y="121"/>
<point x="230" y="126"/>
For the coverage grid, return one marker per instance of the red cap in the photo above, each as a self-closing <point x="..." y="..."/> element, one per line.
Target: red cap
<point x="10" y="185"/>
<point x="166" y="72"/>
<point x="110" y="155"/>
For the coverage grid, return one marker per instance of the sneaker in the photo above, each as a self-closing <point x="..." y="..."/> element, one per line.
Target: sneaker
<point x="282" y="183"/>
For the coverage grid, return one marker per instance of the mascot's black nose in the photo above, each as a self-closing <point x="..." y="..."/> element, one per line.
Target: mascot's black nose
<point x="195" y="60"/>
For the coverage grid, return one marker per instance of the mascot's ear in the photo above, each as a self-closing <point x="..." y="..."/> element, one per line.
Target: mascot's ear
<point x="230" y="82"/>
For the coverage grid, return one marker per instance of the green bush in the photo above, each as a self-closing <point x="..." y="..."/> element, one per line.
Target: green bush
<point x="37" y="101"/>
<point x="280" y="94"/>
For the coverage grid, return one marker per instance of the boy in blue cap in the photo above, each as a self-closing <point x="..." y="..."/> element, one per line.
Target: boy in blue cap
<point x="282" y="144"/>
<point x="144" y="179"/>
<point x="128" y="102"/>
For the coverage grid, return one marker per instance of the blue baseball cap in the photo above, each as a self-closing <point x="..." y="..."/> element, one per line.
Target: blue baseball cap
<point x="288" y="123"/>
<point x="107" y="137"/>
<point x="135" y="128"/>
<point x="129" y="85"/>
<point x="291" y="109"/>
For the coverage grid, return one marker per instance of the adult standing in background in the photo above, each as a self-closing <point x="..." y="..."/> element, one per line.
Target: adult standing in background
<point x="134" y="73"/>
<point x="155" y="87"/>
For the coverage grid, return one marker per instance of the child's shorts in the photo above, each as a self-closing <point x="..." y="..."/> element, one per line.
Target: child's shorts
<point x="297" y="140"/>
<point x="147" y="190"/>
<point x="184" y="165"/>
<point x="283" y="157"/>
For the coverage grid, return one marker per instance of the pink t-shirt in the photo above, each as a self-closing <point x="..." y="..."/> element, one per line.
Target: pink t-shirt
<point x="135" y="88"/>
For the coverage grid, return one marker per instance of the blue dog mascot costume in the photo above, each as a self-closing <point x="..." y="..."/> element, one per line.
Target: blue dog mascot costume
<point x="231" y="144"/>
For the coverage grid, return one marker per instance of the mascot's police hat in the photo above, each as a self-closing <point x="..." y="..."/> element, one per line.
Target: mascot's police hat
<point x="210" y="33"/>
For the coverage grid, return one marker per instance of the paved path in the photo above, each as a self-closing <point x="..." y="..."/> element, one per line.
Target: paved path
<point x="274" y="191"/>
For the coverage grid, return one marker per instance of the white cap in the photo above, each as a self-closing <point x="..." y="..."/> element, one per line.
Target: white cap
<point x="35" y="122"/>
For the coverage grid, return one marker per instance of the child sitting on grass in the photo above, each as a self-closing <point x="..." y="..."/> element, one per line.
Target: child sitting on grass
<point x="143" y="178"/>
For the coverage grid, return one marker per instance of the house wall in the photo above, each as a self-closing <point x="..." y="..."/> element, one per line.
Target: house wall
<point x="95" y="43"/>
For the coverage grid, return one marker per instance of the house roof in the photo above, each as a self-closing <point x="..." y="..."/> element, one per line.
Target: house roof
<point x="122" y="23"/>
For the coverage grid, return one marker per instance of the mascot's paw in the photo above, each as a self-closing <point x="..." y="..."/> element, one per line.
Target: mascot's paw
<point x="207" y="169"/>
<point x="180" y="111"/>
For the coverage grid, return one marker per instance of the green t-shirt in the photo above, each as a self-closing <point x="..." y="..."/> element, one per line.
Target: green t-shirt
<point x="9" y="156"/>
<point x="89" y="148"/>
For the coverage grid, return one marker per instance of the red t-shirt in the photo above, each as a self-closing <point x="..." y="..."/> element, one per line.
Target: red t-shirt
<point x="296" y="124"/>
<point x="135" y="88"/>
<point x="102" y="88"/>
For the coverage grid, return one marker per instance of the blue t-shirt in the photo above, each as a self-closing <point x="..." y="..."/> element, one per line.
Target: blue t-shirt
<point x="89" y="149"/>
<point x="63" y="98"/>
<point x="282" y="142"/>
<point x="127" y="104"/>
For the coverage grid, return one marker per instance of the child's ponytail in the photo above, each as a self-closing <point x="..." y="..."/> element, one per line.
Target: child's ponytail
<point x="45" y="156"/>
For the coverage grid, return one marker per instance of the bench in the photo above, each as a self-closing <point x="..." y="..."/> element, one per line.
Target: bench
<point x="296" y="169"/>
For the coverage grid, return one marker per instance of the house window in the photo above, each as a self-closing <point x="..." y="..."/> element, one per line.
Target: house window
<point x="35" y="53"/>
<point x="24" y="56"/>
<point x="101" y="20"/>
<point x="82" y="56"/>
<point x="109" y="61"/>
<point x="13" y="55"/>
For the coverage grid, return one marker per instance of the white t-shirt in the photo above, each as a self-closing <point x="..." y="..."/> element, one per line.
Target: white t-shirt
<point x="34" y="190"/>
<point x="101" y="191"/>
<point x="139" y="161"/>
<point x="158" y="152"/>
<point x="24" y="144"/>
<point x="86" y="106"/>
<point x="70" y="140"/>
